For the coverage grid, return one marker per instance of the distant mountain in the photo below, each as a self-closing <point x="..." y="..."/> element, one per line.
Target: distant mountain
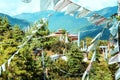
<point x="107" y="12"/>
<point x="13" y="21"/>
<point x="73" y="25"/>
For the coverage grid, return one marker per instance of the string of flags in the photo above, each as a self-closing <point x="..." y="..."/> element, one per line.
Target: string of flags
<point x="86" y="73"/>
<point x="93" y="45"/>
<point x="71" y="8"/>
<point x="3" y="66"/>
<point x="65" y="5"/>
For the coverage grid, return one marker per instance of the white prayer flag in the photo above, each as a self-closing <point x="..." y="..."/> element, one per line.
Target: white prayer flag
<point x="12" y="56"/>
<point x="114" y="29"/>
<point x="26" y="1"/>
<point x="0" y="70"/>
<point x="117" y="74"/>
<point x="55" y="1"/>
<point x="3" y="67"/>
<point x="97" y="37"/>
<point x="83" y="12"/>
<point x="94" y="17"/>
<point x="61" y="4"/>
<point x="71" y="8"/>
<point x="93" y="56"/>
<point x="114" y="59"/>
<point x="86" y="73"/>
<point x="92" y="46"/>
<point x="115" y="50"/>
<point x="118" y="1"/>
<point x="9" y="60"/>
<point x="17" y="51"/>
<point x="46" y="5"/>
<point x="106" y="54"/>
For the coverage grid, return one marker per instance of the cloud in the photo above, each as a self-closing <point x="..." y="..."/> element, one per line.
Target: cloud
<point x="15" y="7"/>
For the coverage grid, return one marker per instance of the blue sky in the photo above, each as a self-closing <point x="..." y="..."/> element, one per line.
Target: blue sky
<point x="14" y="7"/>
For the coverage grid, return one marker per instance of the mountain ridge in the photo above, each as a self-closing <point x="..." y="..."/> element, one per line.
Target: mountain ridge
<point x="13" y="21"/>
<point x="59" y="20"/>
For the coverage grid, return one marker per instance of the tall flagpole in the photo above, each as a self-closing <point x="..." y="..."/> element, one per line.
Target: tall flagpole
<point x="78" y="41"/>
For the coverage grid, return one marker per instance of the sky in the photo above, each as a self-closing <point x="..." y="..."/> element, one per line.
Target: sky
<point x="15" y="7"/>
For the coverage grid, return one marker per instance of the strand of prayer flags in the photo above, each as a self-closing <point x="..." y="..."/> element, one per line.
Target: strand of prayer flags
<point x="3" y="66"/>
<point x="86" y="73"/>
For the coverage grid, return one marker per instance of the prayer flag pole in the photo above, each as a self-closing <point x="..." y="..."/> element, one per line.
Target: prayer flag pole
<point x="78" y="42"/>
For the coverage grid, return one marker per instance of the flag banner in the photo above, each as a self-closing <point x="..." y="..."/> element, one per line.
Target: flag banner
<point x="92" y="46"/>
<point x="71" y="8"/>
<point x="9" y="60"/>
<point x="117" y="74"/>
<point x="86" y="73"/>
<point x="114" y="59"/>
<point x="94" y="17"/>
<point x="114" y="29"/>
<point x="100" y="21"/>
<point x="118" y="1"/>
<point x="55" y="2"/>
<point x="17" y="51"/>
<point x="106" y="54"/>
<point x="83" y="12"/>
<point x="0" y="70"/>
<point x="12" y="56"/>
<point x="46" y="5"/>
<point x="61" y="4"/>
<point x="93" y="56"/>
<point x="26" y="1"/>
<point x="3" y="67"/>
<point x="97" y="37"/>
<point x="89" y="67"/>
<point x="115" y="50"/>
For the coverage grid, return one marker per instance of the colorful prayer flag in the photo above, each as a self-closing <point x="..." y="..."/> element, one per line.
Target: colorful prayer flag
<point x="61" y="4"/>
<point x="114" y="59"/>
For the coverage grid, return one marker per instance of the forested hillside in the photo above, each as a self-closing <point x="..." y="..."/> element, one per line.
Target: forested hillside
<point x="33" y="61"/>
